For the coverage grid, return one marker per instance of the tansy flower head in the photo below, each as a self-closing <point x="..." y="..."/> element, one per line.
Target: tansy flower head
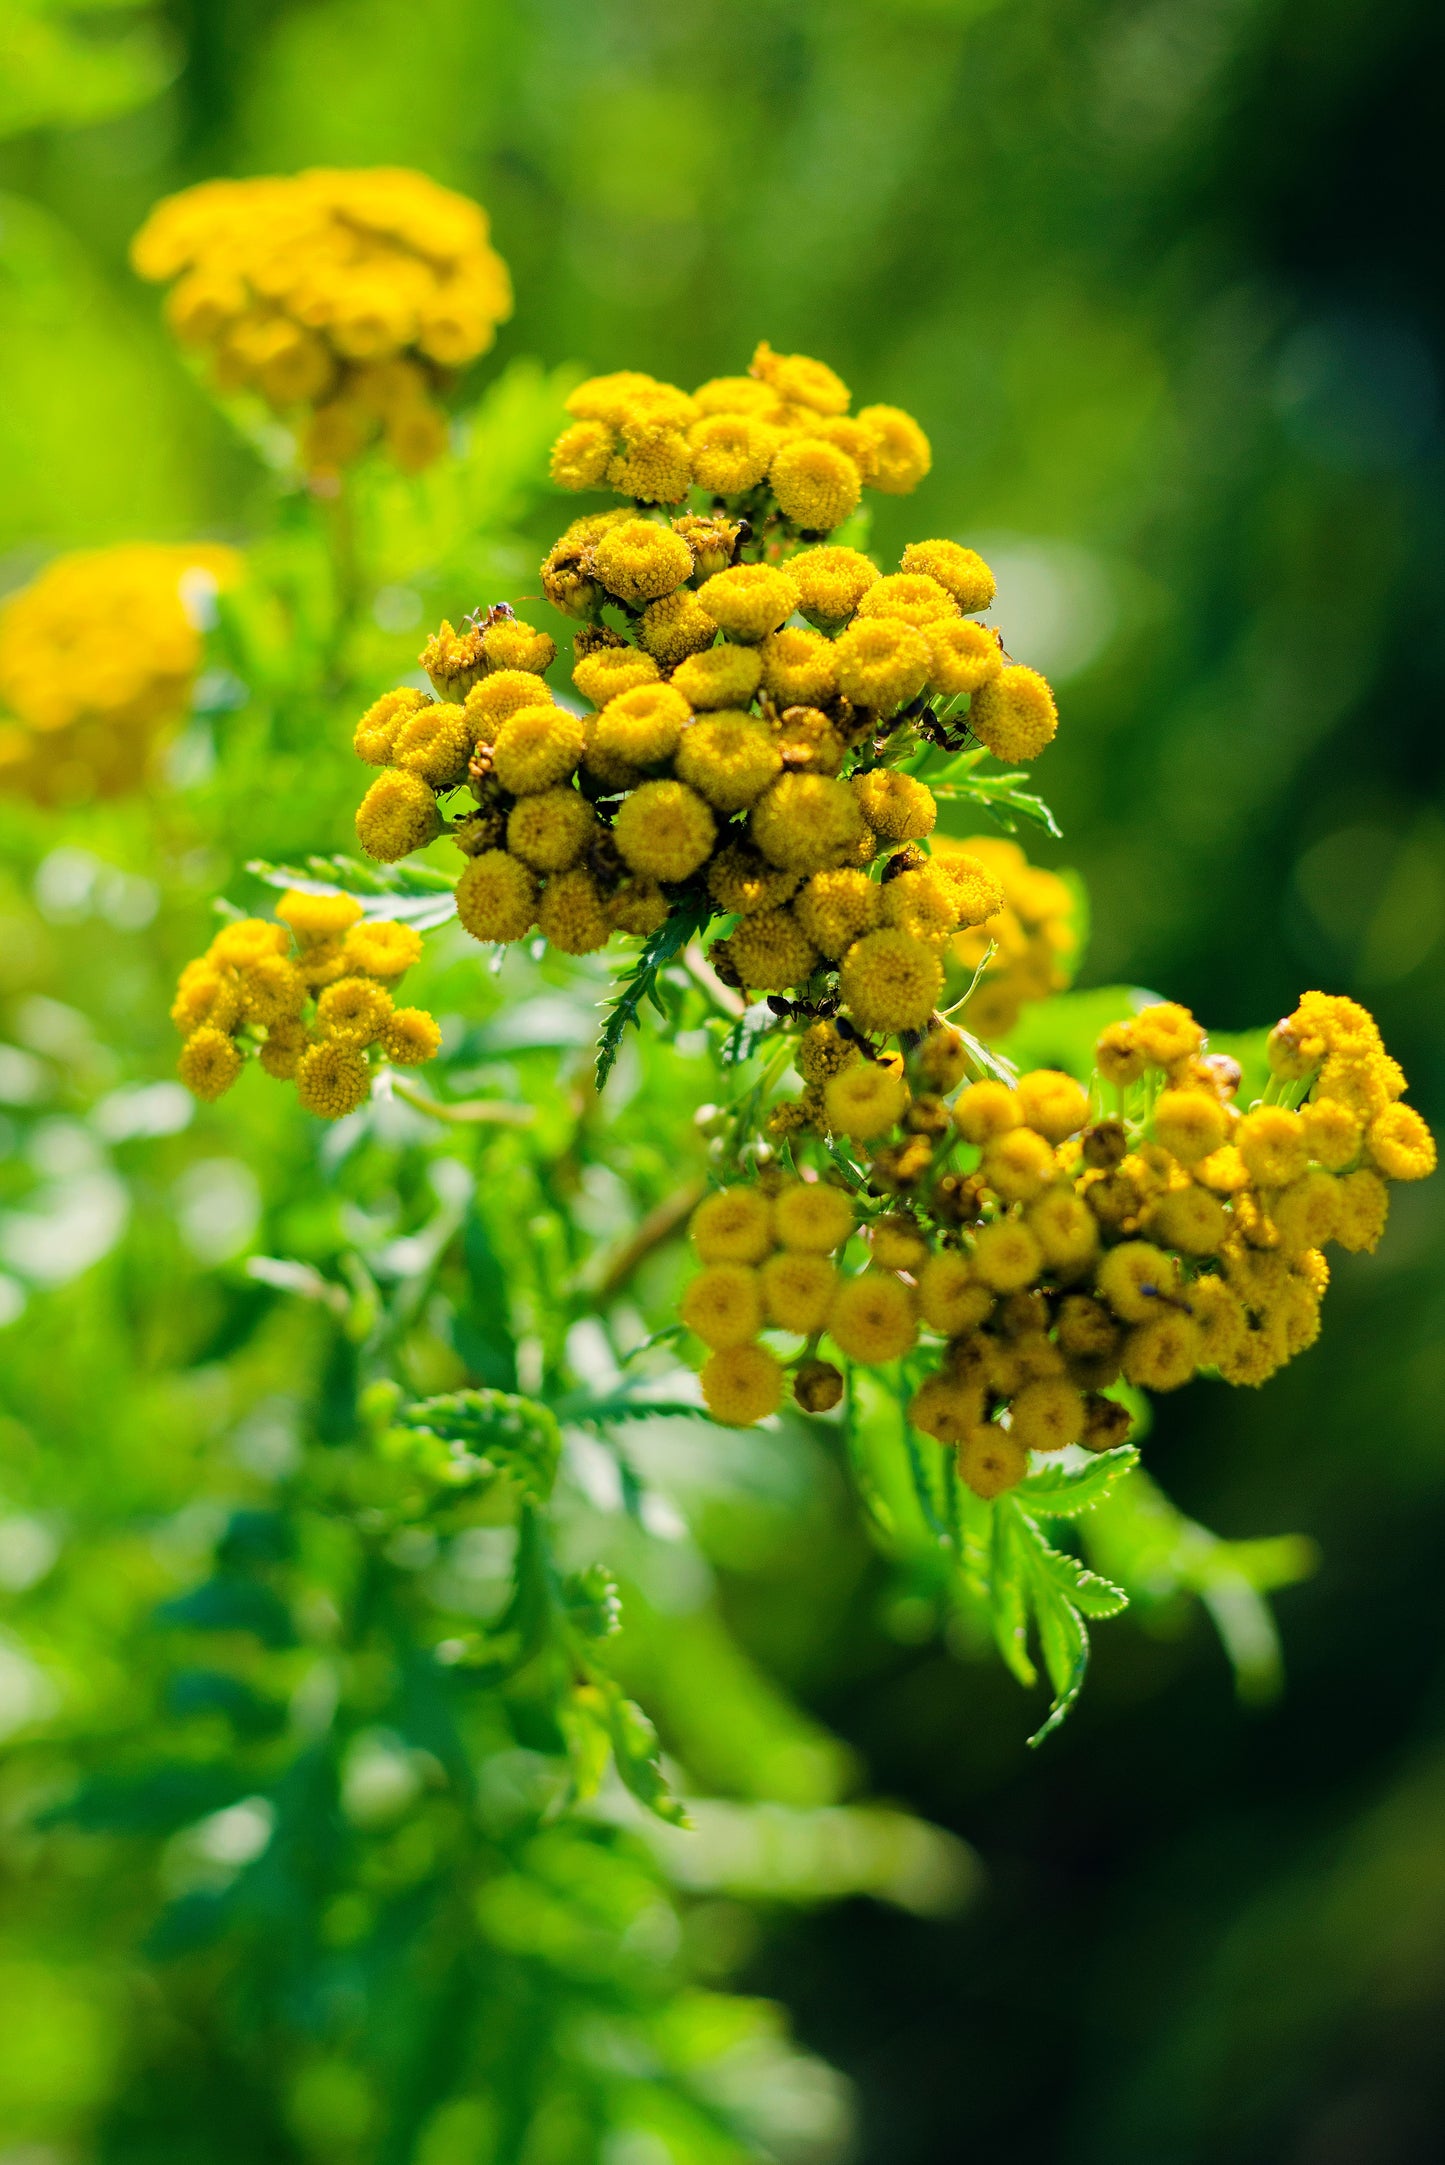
<point x="986" y="1110"/>
<point x="798" y="668"/>
<point x="1190" y="1219"/>
<point x="454" y="660"/>
<point x="831" y="582"/>
<point x="1062" y="1224"/>
<point x="1401" y="1145"/>
<point x="639" y="561"/>
<point x="723" y="1305"/>
<point x="381" y="948"/>
<point x="397" y="815"/>
<point x="902" y="456"/>
<point x="354" y="1009"/>
<point x="551" y="830"/>
<point x="317" y="917"/>
<point x="991" y="1461"/>
<point x="895" y="805"/>
<point x="1006" y="1256"/>
<point x="1120" y="1057"/>
<point x="1018" y="1165"/>
<point x="946" y="1410"/>
<point x="436" y="742"/>
<point x="962" y="656"/>
<point x="910" y="597"/>
<point x="797" y="380"/>
<point x="248" y="940"/>
<point x="1332" y="1132"/>
<point x="865" y="1101"/>
<point x="675" y="627"/>
<point x="1013" y="713"/>
<point x="798" y="1291"/>
<point x="537" y="748"/>
<point x="977" y="895"/>
<point x="1164" y="1352"/>
<point x="410" y="1037"/>
<point x="333" y="1079"/>
<point x="376" y="732"/>
<point x="728" y="758"/>
<point x="1271" y="1140"/>
<point x="604" y="673"/>
<point x="747" y="601"/>
<point x="1364" y="1206"/>
<point x="823" y="1053"/>
<point x="890" y="982"/>
<point x="723" y="676"/>
<point x="742" y="1384"/>
<point x="873" y="1318"/>
<point x="1190" y="1123"/>
<point x="664" y="830"/>
<point x="508" y="643"/>
<point x="836" y="908"/>
<point x="498" y="697"/>
<point x="272" y="990"/>
<point x="641" y="727"/>
<point x="731" y="452"/>
<point x="921" y="904"/>
<point x="817" y="486"/>
<point x="210" y="1062"/>
<point x="882" y="663"/>
<point x="734" y="394"/>
<point x="581" y="455"/>
<point x="1047" y="1416"/>
<point x="496" y="897"/>
<point x="951" y="1299"/>
<point x="1307" y="1213"/>
<point x="280" y="1054"/>
<point x="1167" y="1033"/>
<point x="741" y="881"/>
<point x="1136" y="1279"/>
<point x="652" y="465"/>
<point x="734" y="1225"/>
<point x="770" y="952"/>
<point x="572" y="916"/>
<point x="807" y="822"/>
<point x="812" y="1216"/>
<point x="1053" y="1103"/>
<point x="959" y="571"/>
<point x="637" y="907"/>
<point x="206" y="995"/>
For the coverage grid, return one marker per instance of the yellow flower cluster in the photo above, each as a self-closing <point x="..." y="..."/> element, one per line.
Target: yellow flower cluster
<point x="777" y="445"/>
<point x="310" y="995"/>
<point x="98" y="656"/>
<point x="1033" y="936"/>
<point x="349" y="298"/>
<point x="757" y="711"/>
<point x="1029" y="1247"/>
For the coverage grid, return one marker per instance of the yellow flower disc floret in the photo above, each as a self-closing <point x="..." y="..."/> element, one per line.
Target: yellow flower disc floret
<point x="962" y="572"/>
<point x="874" y="1318"/>
<point x="734" y="1225"/>
<point x="831" y="582"/>
<point x="497" y="897"/>
<point x="808" y="1215"/>
<point x="742" y="1384"/>
<point x="333" y="1079"/>
<point x="397" y="815"/>
<point x="639" y="561"/>
<point x="748" y="600"/>
<point x="664" y="830"/>
<point x="210" y="1062"/>
<point x="882" y="663"/>
<point x="1014" y="713"/>
<point x="537" y="748"/>
<point x="729" y="758"/>
<point x="816" y="485"/>
<point x="725" y="676"/>
<point x="865" y="1101"/>
<point x="895" y="805"/>
<point x="807" y="822"/>
<point x="723" y="1305"/>
<point x="890" y="982"/>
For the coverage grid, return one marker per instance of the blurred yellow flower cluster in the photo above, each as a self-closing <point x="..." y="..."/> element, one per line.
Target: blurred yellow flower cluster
<point x="756" y="710"/>
<point x="1033" y="936"/>
<point x="252" y="989"/>
<point x="779" y="439"/>
<point x="98" y="656"/>
<point x="1031" y="1246"/>
<point x="349" y="298"/>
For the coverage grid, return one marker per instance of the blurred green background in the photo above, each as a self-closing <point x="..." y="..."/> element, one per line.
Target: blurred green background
<point x="1158" y="278"/>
